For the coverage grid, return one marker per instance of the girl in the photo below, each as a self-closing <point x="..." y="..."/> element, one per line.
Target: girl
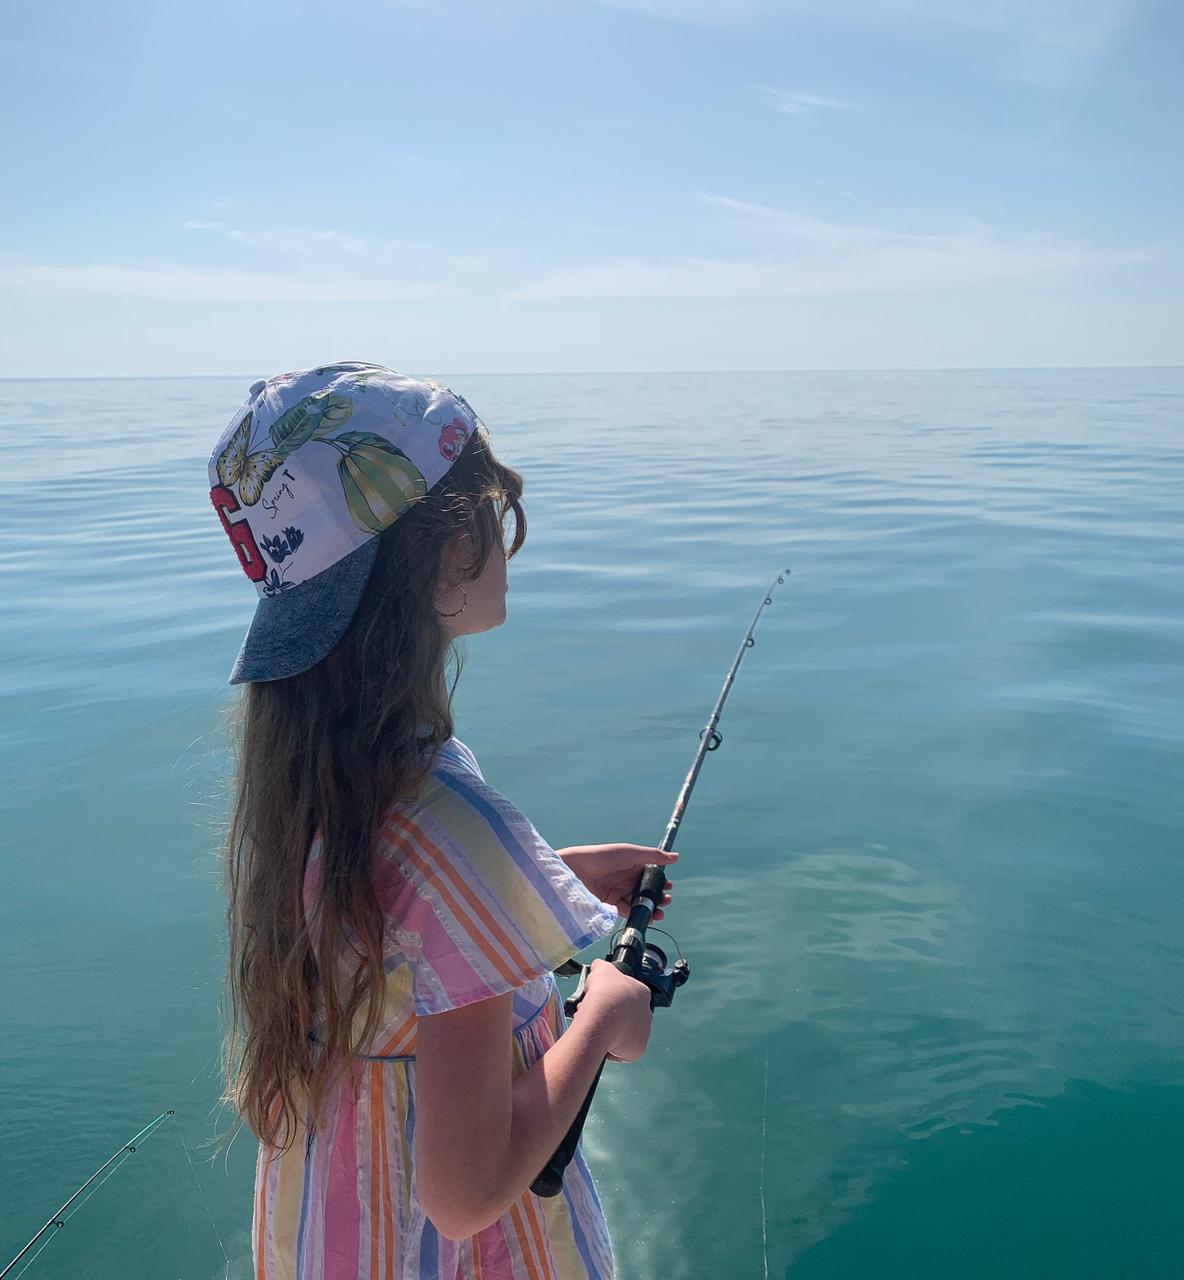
<point x="396" y="1038"/>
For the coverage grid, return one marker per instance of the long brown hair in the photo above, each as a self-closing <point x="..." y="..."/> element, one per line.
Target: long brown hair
<point x="330" y="750"/>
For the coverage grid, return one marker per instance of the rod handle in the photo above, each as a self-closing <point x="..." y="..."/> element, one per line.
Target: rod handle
<point x="627" y="957"/>
<point x="652" y="884"/>
<point x="550" y="1181"/>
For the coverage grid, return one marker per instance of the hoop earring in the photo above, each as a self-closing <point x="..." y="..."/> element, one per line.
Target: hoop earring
<point x="461" y="610"/>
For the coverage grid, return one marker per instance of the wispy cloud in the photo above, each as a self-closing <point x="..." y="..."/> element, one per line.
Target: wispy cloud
<point x="274" y="264"/>
<point x="307" y="240"/>
<point x="1043" y="41"/>
<point x="329" y="249"/>
<point x="802" y="257"/>
<point x="193" y="285"/>
<point x="1046" y="41"/>
<point x="700" y="12"/>
<point x="193" y="224"/>
<point x="796" y="102"/>
<point x="792" y="255"/>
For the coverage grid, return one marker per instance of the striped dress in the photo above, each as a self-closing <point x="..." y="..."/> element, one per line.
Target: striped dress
<point x="476" y="904"/>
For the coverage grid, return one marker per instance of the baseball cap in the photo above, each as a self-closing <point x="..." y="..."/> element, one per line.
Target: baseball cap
<point x="310" y="470"/>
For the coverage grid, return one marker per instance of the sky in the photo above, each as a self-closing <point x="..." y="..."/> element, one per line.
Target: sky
<point x="489" y="186"/>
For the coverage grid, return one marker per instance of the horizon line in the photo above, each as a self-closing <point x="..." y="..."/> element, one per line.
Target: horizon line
<point x="561" y="373"/>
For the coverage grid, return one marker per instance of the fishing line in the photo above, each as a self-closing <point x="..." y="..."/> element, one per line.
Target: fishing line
<point x="204" y="1202"/>
<point x="764" y="1130"/>
<point x="44" y="1245"/>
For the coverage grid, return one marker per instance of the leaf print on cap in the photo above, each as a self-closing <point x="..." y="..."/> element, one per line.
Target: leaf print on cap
<point x="313" y="416"/>
<point x="353" y="438"/>
<point x="380" y="482"/>
<point x="251" y="471"/>
<point x="410" y="405"/>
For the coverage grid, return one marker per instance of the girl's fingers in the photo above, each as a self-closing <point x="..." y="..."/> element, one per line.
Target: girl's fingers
<point x="640" y="854"/>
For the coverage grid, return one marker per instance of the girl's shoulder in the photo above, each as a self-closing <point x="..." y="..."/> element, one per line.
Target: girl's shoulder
<point x="469" y="812"/>
<point x="455" y="755"/>
<point x="475" y="896"/>
<point x="464" y="817"/>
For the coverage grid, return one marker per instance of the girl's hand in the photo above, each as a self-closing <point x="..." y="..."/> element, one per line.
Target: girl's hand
<point x="610" y="871"/>
<point x="622" y="1005"/>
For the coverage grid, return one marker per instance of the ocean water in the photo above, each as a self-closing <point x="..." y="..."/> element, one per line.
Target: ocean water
<point x="931" y="886"/>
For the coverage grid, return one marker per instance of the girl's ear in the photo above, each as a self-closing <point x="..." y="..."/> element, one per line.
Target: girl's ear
<point x="454" y="572"/>
<point x="458" y="562"/>
<point x="451" y="565"/>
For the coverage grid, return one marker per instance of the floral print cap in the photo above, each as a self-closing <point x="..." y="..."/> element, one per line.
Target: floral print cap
<point x="309" y="471"/>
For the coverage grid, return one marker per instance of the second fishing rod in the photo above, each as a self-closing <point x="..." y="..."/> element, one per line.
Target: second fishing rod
<point x="632" y="952"/>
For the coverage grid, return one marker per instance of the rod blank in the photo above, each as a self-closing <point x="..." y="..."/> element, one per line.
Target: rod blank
<point x="58" y="1219"/>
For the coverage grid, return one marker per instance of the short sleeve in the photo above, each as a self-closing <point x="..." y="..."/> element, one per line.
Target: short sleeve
<point x="477" y="903"/>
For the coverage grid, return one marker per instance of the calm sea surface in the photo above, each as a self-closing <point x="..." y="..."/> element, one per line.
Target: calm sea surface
<point x="931" y="887"/>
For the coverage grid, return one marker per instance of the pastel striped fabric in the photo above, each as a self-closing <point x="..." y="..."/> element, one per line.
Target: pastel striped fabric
<point x="476" y="904"/>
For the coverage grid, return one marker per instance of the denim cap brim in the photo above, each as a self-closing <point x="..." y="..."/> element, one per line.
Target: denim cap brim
<point x="294" y="630"/>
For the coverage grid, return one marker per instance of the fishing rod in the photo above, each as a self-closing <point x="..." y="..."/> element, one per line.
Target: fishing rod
<point x="632" y="954"/>
<point x="60" y="1217"/>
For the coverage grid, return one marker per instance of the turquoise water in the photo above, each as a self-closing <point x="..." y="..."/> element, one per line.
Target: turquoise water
<point x="931" y="886"/>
